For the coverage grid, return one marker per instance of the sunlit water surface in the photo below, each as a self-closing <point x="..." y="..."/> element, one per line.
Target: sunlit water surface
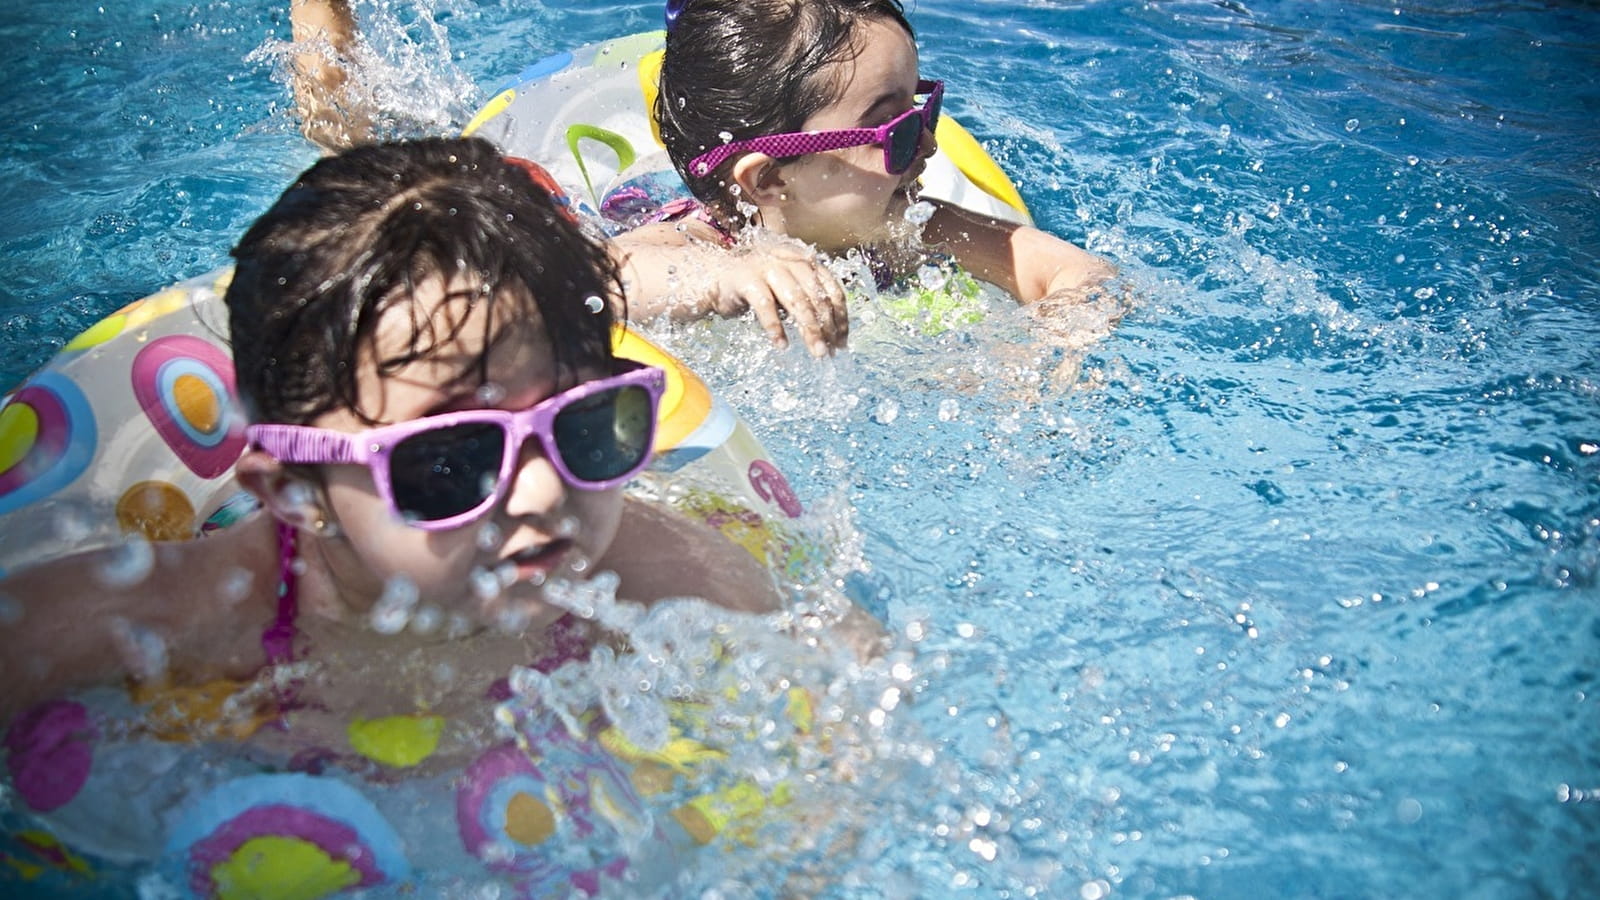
<point x="1290" y="590"/>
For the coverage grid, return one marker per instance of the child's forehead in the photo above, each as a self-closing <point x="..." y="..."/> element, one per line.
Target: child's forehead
<point x="457" y="331"/>
<point x="881" y="56"/>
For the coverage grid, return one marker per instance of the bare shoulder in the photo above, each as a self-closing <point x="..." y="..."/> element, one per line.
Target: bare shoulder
<point x="659" y="553"/>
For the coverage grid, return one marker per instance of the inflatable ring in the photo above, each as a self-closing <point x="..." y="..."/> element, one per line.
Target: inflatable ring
<point x="134" y="428"/>
<point x="587" y="115"/>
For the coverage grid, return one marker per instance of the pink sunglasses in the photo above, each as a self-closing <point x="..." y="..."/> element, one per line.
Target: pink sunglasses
<point x="441" y="472"/>
<point x="901" y="138"/>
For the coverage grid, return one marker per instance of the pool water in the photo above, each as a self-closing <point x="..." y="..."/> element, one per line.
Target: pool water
<point x="1287" y="587"/>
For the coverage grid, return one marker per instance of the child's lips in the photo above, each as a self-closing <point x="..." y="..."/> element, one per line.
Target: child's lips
<point x="536" y="563"/>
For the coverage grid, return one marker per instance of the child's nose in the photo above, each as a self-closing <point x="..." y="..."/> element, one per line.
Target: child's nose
<point x="537" y="488"/>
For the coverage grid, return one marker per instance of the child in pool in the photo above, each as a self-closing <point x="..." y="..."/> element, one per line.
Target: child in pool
<point x="811" y="119"/>
<point x="740" y="80"/>
<point x="438" y="416"/>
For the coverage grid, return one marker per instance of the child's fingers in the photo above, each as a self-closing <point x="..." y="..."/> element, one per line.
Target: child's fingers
<point x="800" y="292"/>
<point x="761" y="300"/>
<point x="832" y="294"/>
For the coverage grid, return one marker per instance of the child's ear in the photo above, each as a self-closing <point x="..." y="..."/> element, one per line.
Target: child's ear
<point x="287" y="496"/>
<point x="759" y="177"/>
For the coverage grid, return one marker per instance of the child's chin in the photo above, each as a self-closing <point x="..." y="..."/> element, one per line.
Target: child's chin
<point x="524" y="610"/>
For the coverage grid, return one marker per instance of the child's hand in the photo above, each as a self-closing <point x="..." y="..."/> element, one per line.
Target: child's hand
<point x="778" y="282"/>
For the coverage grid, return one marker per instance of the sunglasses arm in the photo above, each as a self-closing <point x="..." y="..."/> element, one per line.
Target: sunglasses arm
<point x="294" y="444"/>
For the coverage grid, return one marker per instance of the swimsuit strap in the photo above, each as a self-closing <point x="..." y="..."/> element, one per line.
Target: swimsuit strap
<point x="690" y="208"/>
<point x="278" y="639"/>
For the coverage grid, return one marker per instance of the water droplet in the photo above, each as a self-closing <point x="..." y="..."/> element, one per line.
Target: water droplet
<point x="392" y="612"/>
<point x="485" y="583"/>
<point x="128" y="563"/>
<point x="489" y="536"/>
<point x="298" y="496"/>
<point x="490" y="394"/>
<point x="888" y="410"/>
<point x="514" y="618"/>
<point x="594" y="304"/>
<point x="933" y="277"/>
<point x="949" y="409"/>
<point x="1352" y="124"/>
<point x="235" y="585"/>
<point x="143" y="651"/>
<point x="73" y="524"/>
<point x="426" y="620"/>
<point x="506" y="572"/>
<point x="919" y="212"/>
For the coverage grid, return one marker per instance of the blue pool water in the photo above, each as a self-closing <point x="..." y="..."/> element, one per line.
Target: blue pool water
<point x="1293" y="592"/>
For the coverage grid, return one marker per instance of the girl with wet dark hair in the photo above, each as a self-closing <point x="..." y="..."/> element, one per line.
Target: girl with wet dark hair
<point x="422" y="346"/>
<point x="811" y="119"/>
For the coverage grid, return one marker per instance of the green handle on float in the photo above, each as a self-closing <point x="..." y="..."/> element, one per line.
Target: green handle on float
<point x="618" y="144"/>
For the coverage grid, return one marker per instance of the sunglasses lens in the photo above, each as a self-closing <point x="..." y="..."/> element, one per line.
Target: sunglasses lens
<point x="447" y="471"/>
<point x="606" y="435"/>
<point x="905" y="139"/>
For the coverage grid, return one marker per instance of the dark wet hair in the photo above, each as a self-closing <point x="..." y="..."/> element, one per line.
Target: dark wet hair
<point x="737" y="69"/>
<point x="355" y="235"/>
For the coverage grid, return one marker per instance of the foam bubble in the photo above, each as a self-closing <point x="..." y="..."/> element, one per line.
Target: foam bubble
<point x="392" y="612"/>
<point x="919" y="213"/>
<point x="127" y="563"/>
<point x="143" y="651"/>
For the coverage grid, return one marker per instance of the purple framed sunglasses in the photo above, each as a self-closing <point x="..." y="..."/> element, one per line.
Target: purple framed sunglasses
<point x="442" y="472"/>
<point x="901" y="138"/>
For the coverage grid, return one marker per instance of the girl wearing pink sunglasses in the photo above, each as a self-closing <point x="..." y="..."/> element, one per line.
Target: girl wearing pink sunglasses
<point x="805" y="119"/>
<point x="811" y="119"/>
<point x="437" y="417"/>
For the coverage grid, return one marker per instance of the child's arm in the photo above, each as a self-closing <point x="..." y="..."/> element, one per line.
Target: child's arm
<point x="659" y="554"/>
<point x="680" y="269"/>
<point x="1028" y="263"/>
<point x="325" y="32"/>
<point x="197" y="612"/>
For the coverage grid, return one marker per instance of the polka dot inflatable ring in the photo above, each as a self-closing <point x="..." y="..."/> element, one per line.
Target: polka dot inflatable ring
<point x="47" y="440"/>
<point x="185" y="387"/>
<point x="521" y="819"/>
<point x="253" y="835"/>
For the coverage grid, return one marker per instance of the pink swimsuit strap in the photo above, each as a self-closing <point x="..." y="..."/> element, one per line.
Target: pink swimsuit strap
<point x="278" y="639"/>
